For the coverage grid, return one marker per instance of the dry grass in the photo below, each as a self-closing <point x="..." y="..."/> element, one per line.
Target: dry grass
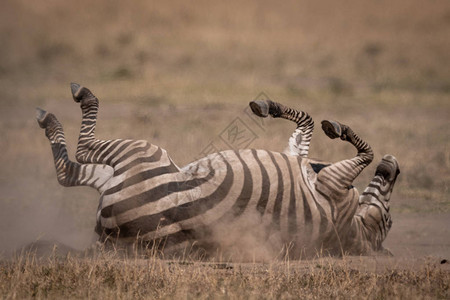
<point x="177" y="74"/>
<point x="107" y="277"/>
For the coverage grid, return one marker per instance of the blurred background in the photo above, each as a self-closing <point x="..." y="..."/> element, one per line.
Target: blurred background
<point x="178" y="73"/>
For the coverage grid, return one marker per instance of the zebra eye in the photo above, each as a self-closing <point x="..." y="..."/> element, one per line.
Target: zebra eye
<point x="383" y="173"/>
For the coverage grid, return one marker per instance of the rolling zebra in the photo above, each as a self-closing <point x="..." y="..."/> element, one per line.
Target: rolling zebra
<point x="278" y="199"/>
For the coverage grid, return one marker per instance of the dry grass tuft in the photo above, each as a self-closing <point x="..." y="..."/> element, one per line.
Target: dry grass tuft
<point x="107" y="276"/>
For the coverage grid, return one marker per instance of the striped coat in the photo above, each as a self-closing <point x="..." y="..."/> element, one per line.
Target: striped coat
<point x="286" y="200"/>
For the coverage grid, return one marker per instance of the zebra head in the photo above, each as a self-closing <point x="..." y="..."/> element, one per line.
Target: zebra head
<point x="387" y="171"/>
<point x="374" y="201"/>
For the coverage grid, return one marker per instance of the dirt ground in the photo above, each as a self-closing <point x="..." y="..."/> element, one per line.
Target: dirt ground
<point x="177" y="75"/>
<point x="420" y="235"/>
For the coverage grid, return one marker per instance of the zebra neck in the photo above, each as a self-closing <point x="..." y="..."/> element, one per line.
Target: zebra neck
<point x="369" y="226"/>
<point x="358" y="240"/>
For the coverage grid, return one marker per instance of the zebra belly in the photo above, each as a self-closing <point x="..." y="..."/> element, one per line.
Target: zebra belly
<point x="267" y="195"/>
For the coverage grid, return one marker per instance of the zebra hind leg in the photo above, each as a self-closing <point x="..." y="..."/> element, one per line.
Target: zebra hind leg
<point x="120" y="154"/>
<point x="92" y="150"/>
<point x="89" y="104"/>
<point x="301" y="138"/>
<point x="70" y="173"/>
<point x="53" y="129"/>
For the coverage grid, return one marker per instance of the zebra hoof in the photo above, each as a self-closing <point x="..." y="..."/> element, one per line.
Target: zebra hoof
<point x="82" y="94"/>
<point x="332" y="129"/>
<point x="76" y="91"/>
<point x="41" y="116"/>
<point x="260" y="108"/>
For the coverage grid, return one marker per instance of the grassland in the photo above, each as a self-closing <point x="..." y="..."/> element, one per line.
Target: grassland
<point x="110" y="277"/>
<point x="177" y="73"/>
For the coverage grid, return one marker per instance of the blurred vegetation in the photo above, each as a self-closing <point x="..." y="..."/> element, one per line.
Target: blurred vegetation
<point x="177" y="73"/>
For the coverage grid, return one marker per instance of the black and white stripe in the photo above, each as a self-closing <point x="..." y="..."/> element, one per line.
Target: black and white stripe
<point x="71" y="173"/>
<point x="373" y="214"/>
<point x="144" y="195"/>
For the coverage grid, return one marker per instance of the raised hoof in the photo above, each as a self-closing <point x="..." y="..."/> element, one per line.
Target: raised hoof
<point x="41" y="116"/>
<point x="81" y="93"/>
<point x="46" y="120"/>
<point x="332" y="129"/>
<point x="76" y="91"/>
<point x="260" y="108"/>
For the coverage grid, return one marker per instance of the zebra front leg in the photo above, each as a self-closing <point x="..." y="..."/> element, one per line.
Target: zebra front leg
<point x="301" y="138"/>
<point x="344" y="172"/>
<point x="70" y="173"/>
<point x="334" y="182"/>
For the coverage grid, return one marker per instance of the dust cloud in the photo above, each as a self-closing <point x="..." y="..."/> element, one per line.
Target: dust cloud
<point x="36" y="225"/>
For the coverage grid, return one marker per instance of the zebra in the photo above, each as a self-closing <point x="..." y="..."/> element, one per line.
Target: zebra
<point x="285" y="200"/>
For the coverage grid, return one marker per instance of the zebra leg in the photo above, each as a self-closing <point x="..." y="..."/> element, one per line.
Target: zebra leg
<point x="334" y="184"/>
<point x="301" y="138"/>
<point x="342" y="174"/>
<point x="70" y="173"/>
<point x="92" y="150"/>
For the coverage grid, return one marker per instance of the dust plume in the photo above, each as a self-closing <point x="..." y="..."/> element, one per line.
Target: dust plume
<point x="35" y="225"/>
<point x="247" y="239"/>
